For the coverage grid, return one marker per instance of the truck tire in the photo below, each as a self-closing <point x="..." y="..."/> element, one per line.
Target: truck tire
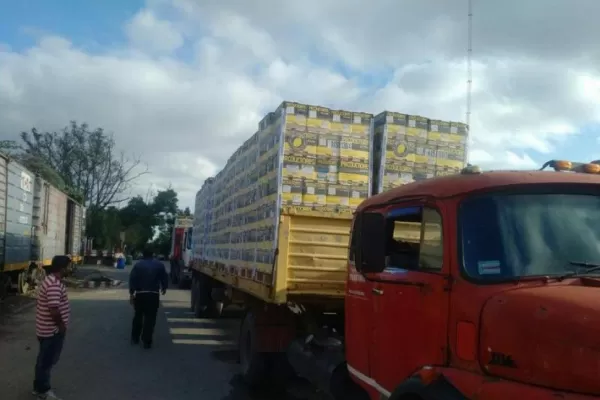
<point x="344" y="388"/>
<point x="182" y="283"/>
<point x="194" y="293"/>
<point x="253" y="364"/>
<point x="214" y="309"/>
<point x="202" y="297"/>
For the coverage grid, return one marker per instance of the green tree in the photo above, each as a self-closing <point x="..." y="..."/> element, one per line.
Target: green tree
<point x="107" y="228"/>
<point x="9" y="147"/>
<point x="165" y="206"/>
<point x="138" y="220"/>
<point x="39" y="167"/>
<point x="91" y="169"/>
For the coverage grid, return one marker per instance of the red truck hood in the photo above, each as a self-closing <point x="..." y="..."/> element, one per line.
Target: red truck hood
<point x="547" y="336"/>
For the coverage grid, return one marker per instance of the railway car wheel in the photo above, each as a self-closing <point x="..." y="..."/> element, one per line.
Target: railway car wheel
<point x="38" y="275"/>
<point x="23" y="282"/>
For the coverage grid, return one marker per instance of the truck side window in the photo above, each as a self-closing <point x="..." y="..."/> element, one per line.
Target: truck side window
<point x="415" y="239"/>
<point x="353" y="241"/>
<point x="432" y="254"/>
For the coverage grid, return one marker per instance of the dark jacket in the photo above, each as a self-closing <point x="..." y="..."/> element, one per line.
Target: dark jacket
<point x="148" y="275"/>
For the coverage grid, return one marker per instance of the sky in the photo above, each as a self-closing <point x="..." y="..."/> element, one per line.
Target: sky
<point x="182" y="83"/>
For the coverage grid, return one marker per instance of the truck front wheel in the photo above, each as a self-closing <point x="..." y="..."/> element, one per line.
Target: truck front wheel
<point x="253" y="363"/>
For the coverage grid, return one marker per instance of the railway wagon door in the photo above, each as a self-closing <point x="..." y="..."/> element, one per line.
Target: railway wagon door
<point x="19" y="215"/>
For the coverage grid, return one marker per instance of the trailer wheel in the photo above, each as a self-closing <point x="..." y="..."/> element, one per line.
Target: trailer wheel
<point x="182" y="284"/>
<point x="23" y="282"/>
<point x="214" y="309"/>
<point x="202" y="298"/>
<point x="194" y="293"/>
<point x="253" y="363"/>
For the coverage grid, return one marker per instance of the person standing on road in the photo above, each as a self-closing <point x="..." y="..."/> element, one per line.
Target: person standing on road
<point x="51" y="319"/>
<point x="146" y="278"/>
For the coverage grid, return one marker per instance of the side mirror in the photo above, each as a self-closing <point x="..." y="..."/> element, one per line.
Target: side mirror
<point x="371" y="244"/>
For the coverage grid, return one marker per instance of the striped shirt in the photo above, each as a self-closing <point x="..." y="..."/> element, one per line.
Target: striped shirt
<point x="52" y="294"/>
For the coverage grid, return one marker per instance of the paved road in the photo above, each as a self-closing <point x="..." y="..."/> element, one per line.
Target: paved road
<point x="191" y="359"/>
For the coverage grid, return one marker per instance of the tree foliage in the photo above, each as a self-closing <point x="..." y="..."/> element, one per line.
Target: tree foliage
<point x="86" y="165"/>
<point x="87" y="161"/>
<point x="9" y="147"/>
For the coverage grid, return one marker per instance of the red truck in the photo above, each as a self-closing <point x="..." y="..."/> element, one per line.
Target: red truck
<point x="472" y="286"/>
<point x="497" y="300"/>
<point x="181" y="252"/>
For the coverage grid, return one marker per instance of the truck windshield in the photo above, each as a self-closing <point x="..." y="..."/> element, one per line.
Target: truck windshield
<point x="509" y="236"/>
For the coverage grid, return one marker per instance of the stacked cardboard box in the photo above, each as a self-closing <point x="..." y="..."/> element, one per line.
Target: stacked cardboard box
<point x="202" y="219"/>
<point x="451" y="153"/>
<point x="303" y="159"/>
<point x="410" y="147"/>
<point x="325" y="165"/>
<point x="317" y="161"/>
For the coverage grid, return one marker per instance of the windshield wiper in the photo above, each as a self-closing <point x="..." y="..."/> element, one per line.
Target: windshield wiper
<point x="583" y="267"/>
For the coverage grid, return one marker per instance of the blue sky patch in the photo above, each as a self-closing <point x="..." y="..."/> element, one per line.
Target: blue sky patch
<point x="89" y="25"/>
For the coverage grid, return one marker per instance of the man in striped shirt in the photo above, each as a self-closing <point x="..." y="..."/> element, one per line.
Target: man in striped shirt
<point x="51" y="320"/>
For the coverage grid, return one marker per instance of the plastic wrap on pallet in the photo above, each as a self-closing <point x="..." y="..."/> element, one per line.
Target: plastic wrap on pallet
<point x="409" y="147"/>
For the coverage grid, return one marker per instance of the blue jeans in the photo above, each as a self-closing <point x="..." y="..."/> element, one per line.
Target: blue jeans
<point x="48" y="356"/>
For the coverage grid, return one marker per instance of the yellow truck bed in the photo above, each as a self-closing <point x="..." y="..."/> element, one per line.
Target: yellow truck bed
<point x="311" y="261"/>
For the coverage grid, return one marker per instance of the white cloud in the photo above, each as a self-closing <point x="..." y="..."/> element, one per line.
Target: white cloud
<point x="147" y="32"/>
<point x="533" y="86"/>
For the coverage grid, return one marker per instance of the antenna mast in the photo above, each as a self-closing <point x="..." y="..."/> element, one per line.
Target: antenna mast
<point x="469" y="72"/>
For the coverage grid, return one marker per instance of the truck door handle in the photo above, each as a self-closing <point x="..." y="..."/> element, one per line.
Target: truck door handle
<point x="378" y="292"/>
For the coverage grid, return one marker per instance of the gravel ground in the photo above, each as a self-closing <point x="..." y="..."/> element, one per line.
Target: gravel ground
<point x="192" y="358"/>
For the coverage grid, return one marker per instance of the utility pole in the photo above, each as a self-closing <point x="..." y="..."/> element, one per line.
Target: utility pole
<point x="469" y="74"/>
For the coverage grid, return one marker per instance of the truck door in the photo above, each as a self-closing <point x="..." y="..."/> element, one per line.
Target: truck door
<point x="410" y="297"/>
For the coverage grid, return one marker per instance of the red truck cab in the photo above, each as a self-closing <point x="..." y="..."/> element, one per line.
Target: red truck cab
<point x="180" y="256"/>
<point x="478" y="286"/>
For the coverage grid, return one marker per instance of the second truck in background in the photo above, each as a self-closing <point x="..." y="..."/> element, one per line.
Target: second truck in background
<point x="180" y="256"/>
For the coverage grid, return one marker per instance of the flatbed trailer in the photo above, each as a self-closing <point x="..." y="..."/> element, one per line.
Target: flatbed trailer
<point x="310" y="263"/>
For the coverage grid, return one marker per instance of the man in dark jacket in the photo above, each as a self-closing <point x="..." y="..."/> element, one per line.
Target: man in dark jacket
<point x="147" y="277"/>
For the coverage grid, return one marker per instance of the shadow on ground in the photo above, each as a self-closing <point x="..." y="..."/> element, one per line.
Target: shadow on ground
<point x="192" y="358"/>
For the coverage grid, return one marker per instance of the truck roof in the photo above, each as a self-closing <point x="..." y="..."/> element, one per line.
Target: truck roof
<point x="448" y="186"/>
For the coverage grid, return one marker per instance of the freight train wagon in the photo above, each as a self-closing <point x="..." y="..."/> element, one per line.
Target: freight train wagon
<point x="37" y="222"/>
